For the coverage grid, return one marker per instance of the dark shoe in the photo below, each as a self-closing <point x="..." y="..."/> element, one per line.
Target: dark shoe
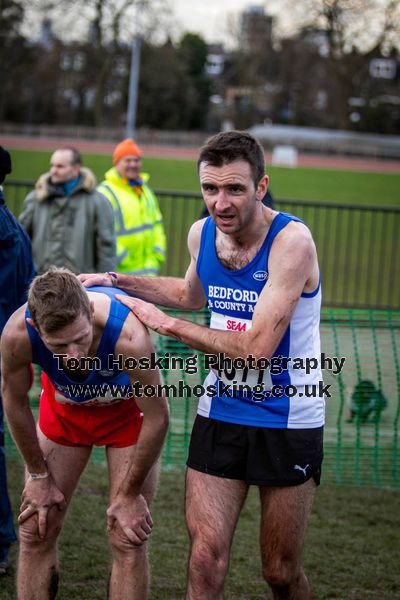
<point x="3" y="569"/>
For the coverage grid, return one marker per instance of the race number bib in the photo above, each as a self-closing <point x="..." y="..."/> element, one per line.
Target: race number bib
<point x="228" y="371"/>
<point x="229" y="375"/>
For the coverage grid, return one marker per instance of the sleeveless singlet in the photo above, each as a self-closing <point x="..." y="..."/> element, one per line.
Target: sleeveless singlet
<point x="232" y="297"/>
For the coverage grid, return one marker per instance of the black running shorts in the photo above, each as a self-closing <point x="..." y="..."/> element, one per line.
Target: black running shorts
<point x="256" y="455"/>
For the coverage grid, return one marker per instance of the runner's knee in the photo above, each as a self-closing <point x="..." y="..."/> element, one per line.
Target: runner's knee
<point x="29" y="534"/>
<point x="123" y="548"/>
<point x="279" y="573"/>
<point x="211" y="561"/>
<point x="209" y="553"/>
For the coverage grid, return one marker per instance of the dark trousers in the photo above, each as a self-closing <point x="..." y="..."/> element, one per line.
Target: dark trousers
<point x="7" y="533"/>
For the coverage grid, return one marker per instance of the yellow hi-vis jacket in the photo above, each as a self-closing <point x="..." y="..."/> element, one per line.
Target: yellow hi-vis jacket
<point x="141" y="242"/>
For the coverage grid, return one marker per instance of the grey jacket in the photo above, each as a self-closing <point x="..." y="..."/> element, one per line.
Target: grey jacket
<point x="75" y="231"/>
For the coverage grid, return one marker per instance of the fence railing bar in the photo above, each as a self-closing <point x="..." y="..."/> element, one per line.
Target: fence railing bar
<point x="189" y="195"/>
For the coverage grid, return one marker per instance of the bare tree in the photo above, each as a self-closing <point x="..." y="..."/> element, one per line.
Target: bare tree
<point x="114" y="22"/>
<point x="353" y="29"/>
<point x="103" y="28"/>
<point x="11" y="16"/>
<point x="349" y="24"/>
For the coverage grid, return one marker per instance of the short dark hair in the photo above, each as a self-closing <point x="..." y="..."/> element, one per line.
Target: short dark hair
<point x="228" y="146"/>
<point x="76" y="157"/>
<point x="56" y="299"/>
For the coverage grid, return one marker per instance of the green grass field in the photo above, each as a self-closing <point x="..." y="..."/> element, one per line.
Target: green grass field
<point x="351" y="550"/>
<point x="349" y="187"/>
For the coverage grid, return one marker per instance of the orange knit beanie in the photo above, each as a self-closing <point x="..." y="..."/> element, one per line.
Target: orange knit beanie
<point x="125" y="148"/>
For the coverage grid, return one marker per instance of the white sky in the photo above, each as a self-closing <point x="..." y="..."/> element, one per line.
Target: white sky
<point x="214" y="20"/>
<point x="210" y="18"/>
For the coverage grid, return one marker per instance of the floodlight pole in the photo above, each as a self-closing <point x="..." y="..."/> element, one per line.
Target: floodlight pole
<point x="133" y="86"/>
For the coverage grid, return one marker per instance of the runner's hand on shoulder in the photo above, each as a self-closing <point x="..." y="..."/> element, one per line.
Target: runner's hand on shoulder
<point x="91" y="279"/>
<point x="148" y="314"/>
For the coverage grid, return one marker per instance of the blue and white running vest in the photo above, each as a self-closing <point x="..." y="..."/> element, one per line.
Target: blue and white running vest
<point x="104" y="376"/>
<point x="232" y="297"/>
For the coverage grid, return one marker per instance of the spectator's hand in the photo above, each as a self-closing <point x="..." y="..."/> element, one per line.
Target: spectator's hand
<point x="90" y="279"/>
<point x="150" y="315"/>
<point x="130" y="516"/>
<point x="38" y="496"/>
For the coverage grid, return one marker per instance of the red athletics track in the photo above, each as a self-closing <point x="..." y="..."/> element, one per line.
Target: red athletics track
<point x="178" y="152"/>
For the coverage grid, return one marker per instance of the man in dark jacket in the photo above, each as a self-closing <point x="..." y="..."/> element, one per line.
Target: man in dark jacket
<point x="16" y="272"/>
<point x="70" y="223"/>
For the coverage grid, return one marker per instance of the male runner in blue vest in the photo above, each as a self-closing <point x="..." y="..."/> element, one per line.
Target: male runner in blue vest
<point x="87" y="347"/>
<point x="258" y="271"/>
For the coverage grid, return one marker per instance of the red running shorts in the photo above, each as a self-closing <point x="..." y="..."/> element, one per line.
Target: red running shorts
<point x="116" y="425"/>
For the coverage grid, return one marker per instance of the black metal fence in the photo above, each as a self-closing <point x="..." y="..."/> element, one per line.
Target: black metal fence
<point x="358" y="246"/>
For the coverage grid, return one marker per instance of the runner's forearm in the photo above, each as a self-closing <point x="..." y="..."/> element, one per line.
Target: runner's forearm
<point x="167" y="291"/>
<point x="147" y="450"/>
<point x="212" y="341"/>
<point x="23" y="429"/>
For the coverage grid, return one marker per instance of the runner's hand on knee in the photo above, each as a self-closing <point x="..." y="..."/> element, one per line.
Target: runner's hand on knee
<point x="133" y="516"/>
<point x="39" y="496"/>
